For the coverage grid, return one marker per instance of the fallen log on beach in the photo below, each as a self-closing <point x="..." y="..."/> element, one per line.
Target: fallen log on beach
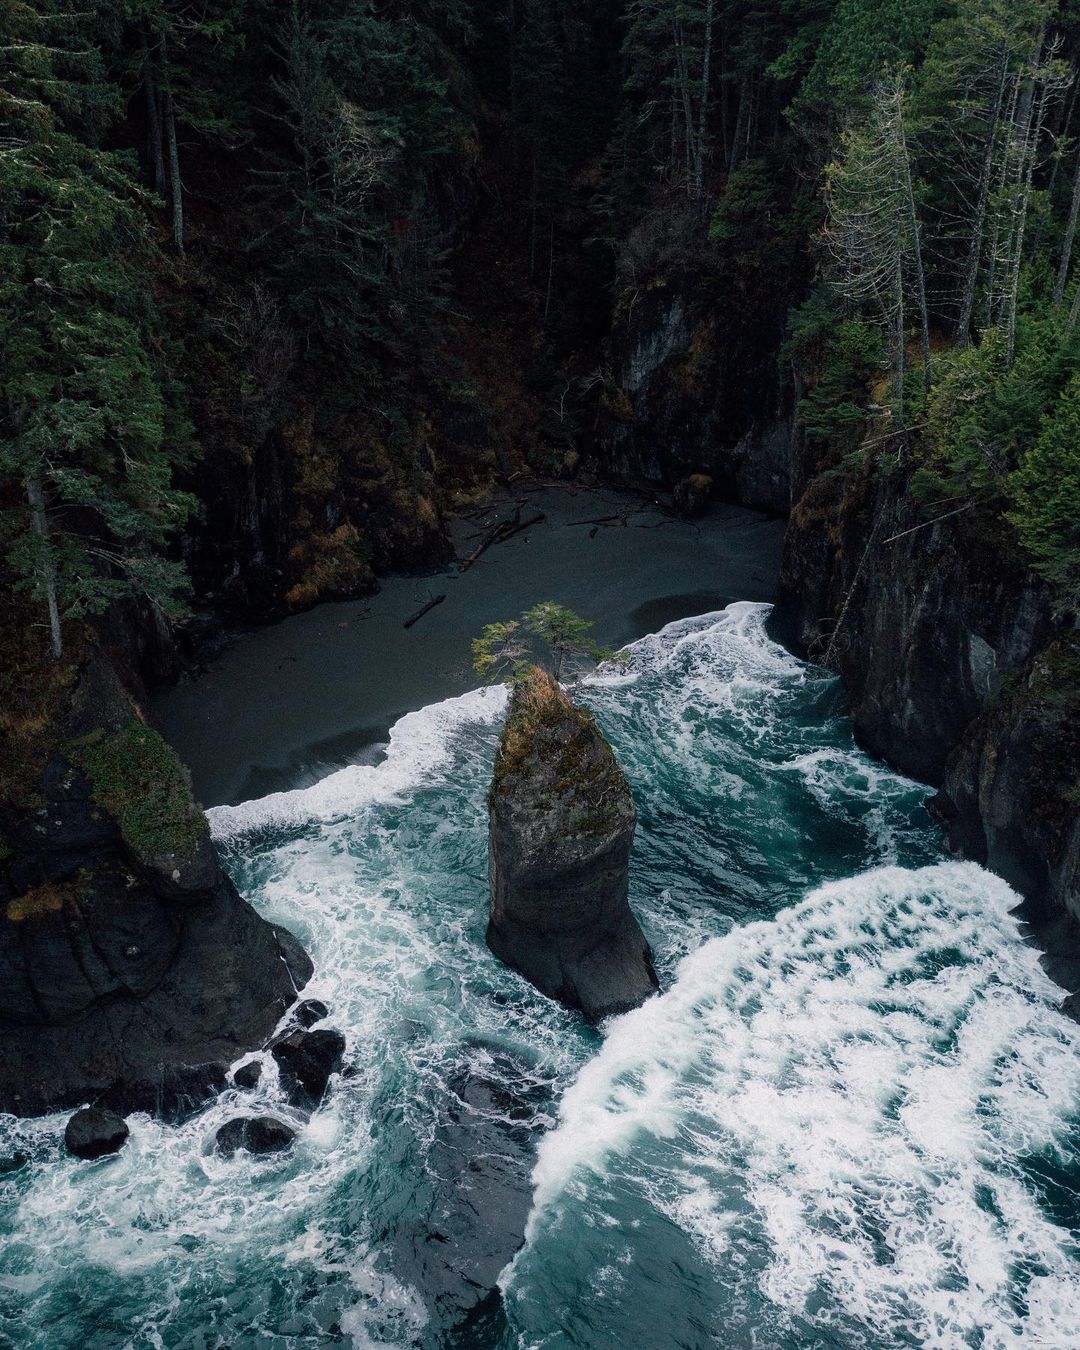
<point x="499" y="535"/>
<point x="423" y="610"/>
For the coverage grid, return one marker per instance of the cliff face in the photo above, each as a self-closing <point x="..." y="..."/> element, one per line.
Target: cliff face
<point x="561" y="828"/>
<point x="133" y="973"/>
<point x="686" y="401"/>
<point x="951" y="656"/>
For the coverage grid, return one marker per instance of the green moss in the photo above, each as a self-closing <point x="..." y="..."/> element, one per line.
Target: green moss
<point x="138" y="779"/>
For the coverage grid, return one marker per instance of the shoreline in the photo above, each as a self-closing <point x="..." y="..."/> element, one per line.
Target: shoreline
<point x="281" y="706"/>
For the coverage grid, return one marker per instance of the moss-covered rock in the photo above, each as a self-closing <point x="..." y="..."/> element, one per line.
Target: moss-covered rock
<point x="137" y="777"/>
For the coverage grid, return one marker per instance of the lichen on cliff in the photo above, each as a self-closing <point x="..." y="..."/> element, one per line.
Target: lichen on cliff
<point x="48" y="898"/>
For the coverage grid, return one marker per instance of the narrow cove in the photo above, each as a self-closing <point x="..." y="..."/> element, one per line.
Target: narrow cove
<point x="825" y="1132"/>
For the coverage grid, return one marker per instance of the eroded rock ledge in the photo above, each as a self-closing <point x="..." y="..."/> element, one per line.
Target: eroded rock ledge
<point x="562" y="824"/>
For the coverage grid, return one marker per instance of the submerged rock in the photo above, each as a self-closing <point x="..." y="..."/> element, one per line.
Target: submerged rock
<point x="561" y="827"/>
<point x="306" y="1060"/>
<point x="477" y="1188"/>
<point x="93" y="1132"/>
<point x="256" y="1134"/>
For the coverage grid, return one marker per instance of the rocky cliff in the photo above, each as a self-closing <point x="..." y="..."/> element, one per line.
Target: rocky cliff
<point x="562" y="826"/>
<point x="957" y="669"/>
<point x="133" y="973"/>
<point x="682" y="401"/>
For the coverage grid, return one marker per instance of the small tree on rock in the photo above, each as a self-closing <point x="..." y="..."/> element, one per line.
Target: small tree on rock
<point x="508" y="649"/>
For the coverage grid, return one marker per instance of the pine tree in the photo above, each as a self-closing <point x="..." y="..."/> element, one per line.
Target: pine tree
<point x="873" y="232"/>
<point x="89" y="437"/>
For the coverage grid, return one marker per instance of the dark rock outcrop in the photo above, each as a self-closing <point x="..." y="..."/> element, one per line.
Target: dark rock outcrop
<point x="477" y="1188"/>
<point x="306" y="1059"/>
<point x="133" y="972"/>
<point x="954" y="664"/>
<point x="248" y="1075"/>
<point x="310" y="1011"/>
<point x="92" y="1133"/>
<point x="256" y="1134"/>
<point x="561" y="827"/>
<point x="691" y="495"/>
<point x="700" y="313"/>
<point x="1009" y="793"/>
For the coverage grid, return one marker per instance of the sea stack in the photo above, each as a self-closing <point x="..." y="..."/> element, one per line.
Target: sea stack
<point x="561" y="827"/>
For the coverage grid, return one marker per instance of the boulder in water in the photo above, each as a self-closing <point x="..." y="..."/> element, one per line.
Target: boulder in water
<point x="310" y="1011"/>
<point x="256" y="1134"/>
<point x="306" y="1059"/>
<point x="478" y="1188"/>
<point x="93" y="1132"/>
<point x="248" y="1075"/>
<point x="561" y="827"/>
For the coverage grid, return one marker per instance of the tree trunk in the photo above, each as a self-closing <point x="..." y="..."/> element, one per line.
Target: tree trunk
<point x="741" y="118"/>
<point x="978" y="229"/>
<point x="35" y="495"/>
<point x="513" y="91"/>
<point x="899" y="355"/>
<point x="1003" y="178"/>
<point x="916" y="241"/>
<point x="551" y="268"/>
<point x="1031" y="151"/>
<point x="706" y="60"/>
<point x="168" y="111"/>
<point x="153" y="121"/>
<point x="1074" y="311"/>
<point x="175" y="190"/>
<point x="682" y="76"/>
<point x="1070" y="238"/>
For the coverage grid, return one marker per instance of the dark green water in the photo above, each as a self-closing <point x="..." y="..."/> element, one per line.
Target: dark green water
<point x="852" y="1119"/>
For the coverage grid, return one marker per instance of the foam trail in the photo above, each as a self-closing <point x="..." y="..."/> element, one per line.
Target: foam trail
<point x="420" y="746"/>
<point x="864" y="1072"/>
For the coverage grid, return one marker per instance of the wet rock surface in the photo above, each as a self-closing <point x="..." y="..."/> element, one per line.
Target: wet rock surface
<point x="255" y="1134"/>
<point x="310" y="1011"/>
<point x="306" y="1060"/>
<point x="248" y="1075"/>
<point x="93" y="1133"/>
<point x="562" y="824"/>
<point x="478" y="1188"/>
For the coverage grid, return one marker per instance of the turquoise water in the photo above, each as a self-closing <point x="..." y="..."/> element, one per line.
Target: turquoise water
<point x="852" y="1119"/>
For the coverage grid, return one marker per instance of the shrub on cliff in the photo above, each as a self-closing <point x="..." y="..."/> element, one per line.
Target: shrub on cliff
<point x="139" y="780"/>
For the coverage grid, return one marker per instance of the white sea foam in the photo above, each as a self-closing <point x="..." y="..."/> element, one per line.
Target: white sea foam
<point x="865" y="1071"/>
<point x="420" y="746"/>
